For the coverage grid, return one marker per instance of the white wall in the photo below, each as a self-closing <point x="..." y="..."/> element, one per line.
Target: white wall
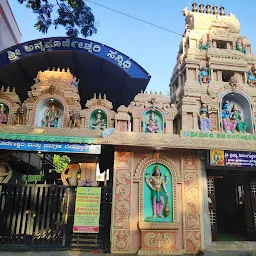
<point x="9" y="31"/>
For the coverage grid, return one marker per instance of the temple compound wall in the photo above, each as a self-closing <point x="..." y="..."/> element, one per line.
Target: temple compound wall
<point x="152" y="222"/>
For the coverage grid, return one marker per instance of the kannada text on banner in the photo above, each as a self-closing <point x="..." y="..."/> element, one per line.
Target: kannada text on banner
<point x="232" y="158"/>
<point x="87" y="210"/>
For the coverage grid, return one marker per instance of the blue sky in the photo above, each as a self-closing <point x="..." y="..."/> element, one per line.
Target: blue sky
<point x="154" y="49"/>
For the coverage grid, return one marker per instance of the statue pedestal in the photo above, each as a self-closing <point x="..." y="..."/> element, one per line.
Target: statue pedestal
<point x="159" y="238"/>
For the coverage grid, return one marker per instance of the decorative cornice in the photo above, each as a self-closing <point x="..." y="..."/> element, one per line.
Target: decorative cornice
<point x="188" y="140"/>
<point x="158" y="225"/>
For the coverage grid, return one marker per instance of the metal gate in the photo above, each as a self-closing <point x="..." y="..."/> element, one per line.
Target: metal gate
<point x="42" y="216"/>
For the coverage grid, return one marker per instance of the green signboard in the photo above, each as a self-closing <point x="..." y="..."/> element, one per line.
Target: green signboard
<point x="87" y="210"/>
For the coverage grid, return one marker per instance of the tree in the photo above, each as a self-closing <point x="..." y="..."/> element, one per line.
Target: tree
<point x="60" y="162"/>
<point x="74" y="15"/>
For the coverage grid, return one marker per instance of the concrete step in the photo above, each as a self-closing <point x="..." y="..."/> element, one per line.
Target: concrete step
<point x="229" y="253"/>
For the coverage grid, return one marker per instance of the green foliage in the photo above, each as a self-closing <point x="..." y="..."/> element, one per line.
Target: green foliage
<point x="74" y="15"/>
<point x="60" y="162"/>
<point x="31" y="178"/>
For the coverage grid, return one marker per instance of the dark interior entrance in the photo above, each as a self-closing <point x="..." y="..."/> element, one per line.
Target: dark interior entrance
<point x="234" y="206"/>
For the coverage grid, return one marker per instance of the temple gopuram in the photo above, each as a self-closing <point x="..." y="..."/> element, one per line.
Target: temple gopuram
<point x="91" y="161"/>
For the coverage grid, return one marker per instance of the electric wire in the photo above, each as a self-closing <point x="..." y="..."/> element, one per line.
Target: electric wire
<point x="132" y="17"/>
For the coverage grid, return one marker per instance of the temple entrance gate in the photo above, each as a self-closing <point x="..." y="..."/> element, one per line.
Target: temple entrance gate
<point x="232" y="205"/>
<point x="42" y="216"/>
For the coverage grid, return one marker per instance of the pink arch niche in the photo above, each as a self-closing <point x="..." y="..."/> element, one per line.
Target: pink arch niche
<point x="139" y="174"/>
<point x="155" y="109"/>
<point x="54" y="96"/>
<point x="11" y="110"/>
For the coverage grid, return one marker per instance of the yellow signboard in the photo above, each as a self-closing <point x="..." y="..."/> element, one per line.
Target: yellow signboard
<point x="87" y="210"/>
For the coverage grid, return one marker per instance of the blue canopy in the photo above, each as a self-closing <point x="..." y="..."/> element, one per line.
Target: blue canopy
<point x="101" y="69"/>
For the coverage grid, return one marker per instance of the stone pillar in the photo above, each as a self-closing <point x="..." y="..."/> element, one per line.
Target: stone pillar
<point x="206" y="214"/>
<point x="136" y="124"/>
<point x="169" y="126"/>
<point x="184" y="121"/>
<point x="121" y="208"/>
<point x="219" y="76"/>
<point x="195" y="120"/>
<point x="192" y="201"/>
<point x="245" y="78"/>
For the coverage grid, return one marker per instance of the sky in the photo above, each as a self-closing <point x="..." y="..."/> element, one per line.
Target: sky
<point x="152" y="48"/>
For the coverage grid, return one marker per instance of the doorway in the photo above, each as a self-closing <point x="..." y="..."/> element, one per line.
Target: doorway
<point x="233" y="204"/>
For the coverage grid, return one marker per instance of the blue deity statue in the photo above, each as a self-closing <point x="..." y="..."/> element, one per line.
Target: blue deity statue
<point x="251" y="78"/>
<point x="239" y="46"/>
<point x="204" y="76"/>
<point x="75" y="82"/>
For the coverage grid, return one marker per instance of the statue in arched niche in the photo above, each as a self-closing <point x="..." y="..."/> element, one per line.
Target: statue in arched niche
<point x="99" y="122"/>
<point x="156" y="183"/>
<point x="152" y="123"/>
<point x="236" y="115"/>
<point x="51" y="115"/>
<point x="228" y="123"/>
<point x="205" y="122"/>
<point x="3" y="113"/>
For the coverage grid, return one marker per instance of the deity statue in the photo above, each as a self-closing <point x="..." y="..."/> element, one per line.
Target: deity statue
<point x="5" y="172"/>
<point x="75" y="82"/>
<point x="204" y="76"/>
<point x="69" y="175"/>
<point x="74" y="119"/>
<point x="156" y="183"/>
<point x="228" y="123"/>
<point x="21" y="115"/>
<point x="236" y="115"/>
<point x="3" y="115"/>
<point x="239" y="46"/>
<point x="37" y="80"/>
<point x="98" y="123"/>
<point x="152" y="123"/>
<point x="51" y="116"/>
<point x="205" y="122"/>
<point x="204" y="44"/>
<point x="251" y="78"/>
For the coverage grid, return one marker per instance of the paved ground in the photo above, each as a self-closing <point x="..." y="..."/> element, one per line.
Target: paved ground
<point x="58" y="253"/>
<point x="51" y="253"/>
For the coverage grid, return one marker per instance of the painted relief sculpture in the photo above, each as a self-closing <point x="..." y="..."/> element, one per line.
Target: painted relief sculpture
<point x="205" y="122"/>
<point x="98" y="123"/>
<point x="21" y="115"/>
<point x="204" y="44"/>
<point x="251" y="78"/>
<point x="239" y="46"/>
<point x="74" y="119"/>
<point x="5" y="172"/>
<point x="75" y="82"/>
<point x="204" y="77"/>
<point x="51" y="116"/>
<point x="156" y="183"/>
<point x="228" y="123"/>
<point x="152" y="124"/>
<point x="69" y="175"/>
<point x="236" y="115"/>
<point x="3" y="114"/>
